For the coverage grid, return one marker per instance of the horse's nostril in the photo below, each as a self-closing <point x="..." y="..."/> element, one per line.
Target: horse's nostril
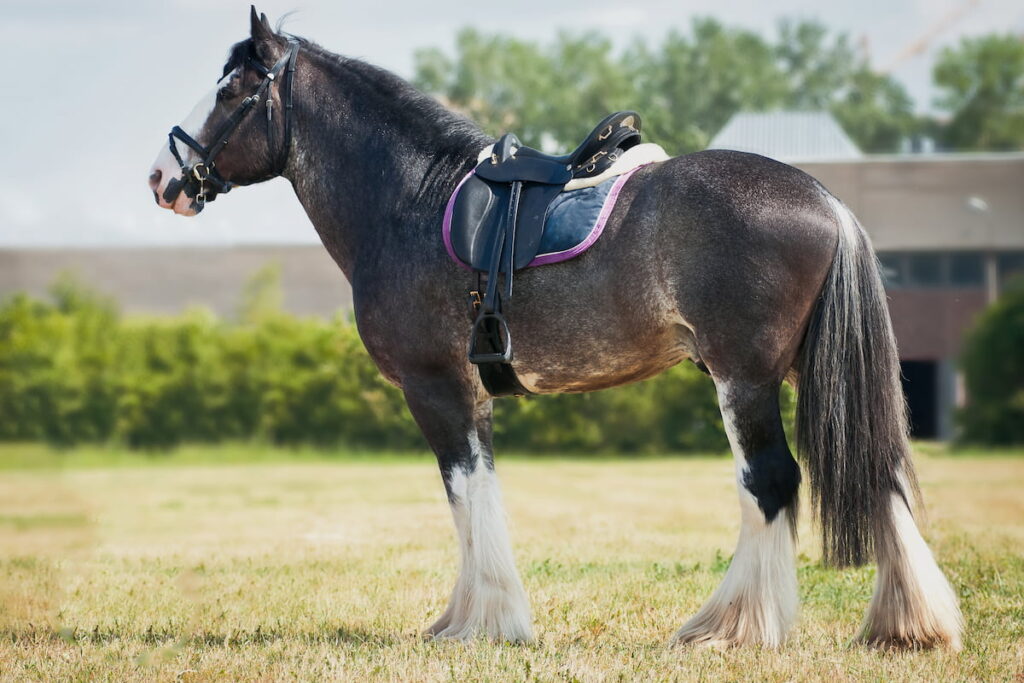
<point x="154" y="179"/>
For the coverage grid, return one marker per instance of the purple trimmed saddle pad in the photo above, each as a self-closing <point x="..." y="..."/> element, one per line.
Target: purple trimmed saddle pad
<point x="573" y="222"/>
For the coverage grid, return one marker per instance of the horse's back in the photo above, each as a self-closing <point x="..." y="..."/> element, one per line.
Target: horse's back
<point x="715" y="247"/>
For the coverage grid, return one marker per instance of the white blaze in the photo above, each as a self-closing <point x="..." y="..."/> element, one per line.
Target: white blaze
<point x="165" y="161"/>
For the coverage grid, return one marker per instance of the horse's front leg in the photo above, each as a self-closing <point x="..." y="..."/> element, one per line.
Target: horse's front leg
<point x="488" y="599"/>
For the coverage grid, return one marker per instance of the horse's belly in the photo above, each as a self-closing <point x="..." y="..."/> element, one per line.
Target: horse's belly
<point x="596" y="363"/>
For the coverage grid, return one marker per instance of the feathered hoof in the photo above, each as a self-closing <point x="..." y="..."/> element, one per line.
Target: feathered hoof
<point x="923" y="639"/>
<point x="706" y="631"/>
<point x="707" y="641"/>
<point x="467" y="630"/>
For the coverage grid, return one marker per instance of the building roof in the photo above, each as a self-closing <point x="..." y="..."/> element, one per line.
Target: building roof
<point x="787" y="136"/>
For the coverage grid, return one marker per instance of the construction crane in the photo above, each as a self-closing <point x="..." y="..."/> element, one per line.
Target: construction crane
<point x="921" y="44"/>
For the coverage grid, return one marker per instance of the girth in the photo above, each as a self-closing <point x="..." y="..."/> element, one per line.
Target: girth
<point x="499" y="217"/>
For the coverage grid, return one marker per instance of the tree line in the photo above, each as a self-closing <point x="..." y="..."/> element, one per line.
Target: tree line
<point x="688" y="86"/>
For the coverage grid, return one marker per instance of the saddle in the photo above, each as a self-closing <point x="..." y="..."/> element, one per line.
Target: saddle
<point x="497" y="222"/>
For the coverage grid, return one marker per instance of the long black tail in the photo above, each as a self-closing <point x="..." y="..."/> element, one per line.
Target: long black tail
<point x="851" y="418"/>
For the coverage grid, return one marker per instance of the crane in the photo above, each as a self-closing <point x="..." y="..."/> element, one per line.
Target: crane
<point x="921" y="44"/>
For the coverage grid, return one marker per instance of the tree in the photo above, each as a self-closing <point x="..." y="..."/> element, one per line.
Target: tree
<point x="874" y="110"/>
<point x="815" y="69"/>
<point x="993" y="364"/>
<point x="686" y="88"/>
<point x="982" y="83"/>
<point x="692" y="85"/>
<point x="544" y="94"/>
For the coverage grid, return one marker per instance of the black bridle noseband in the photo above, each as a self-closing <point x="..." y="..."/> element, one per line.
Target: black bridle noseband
<point x="201" y="181"/>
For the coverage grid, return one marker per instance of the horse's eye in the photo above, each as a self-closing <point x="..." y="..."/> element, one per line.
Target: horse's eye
<point x="225" y="93"/>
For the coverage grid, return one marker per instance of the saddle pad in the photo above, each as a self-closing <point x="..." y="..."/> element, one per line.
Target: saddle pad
<point x="573" y="222"/>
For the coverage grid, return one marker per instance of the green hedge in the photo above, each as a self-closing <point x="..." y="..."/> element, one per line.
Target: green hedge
<point x="75" y="371"/>
<point x="993" y="364"/>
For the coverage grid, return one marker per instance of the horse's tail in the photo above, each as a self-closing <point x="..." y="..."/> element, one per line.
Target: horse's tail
<point x="851" y="419"/>
<point x="852" y="433"/>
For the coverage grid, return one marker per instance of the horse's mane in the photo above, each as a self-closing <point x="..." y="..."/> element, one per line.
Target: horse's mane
<point x="410" y="101"/>
<point x="415" y="103"/>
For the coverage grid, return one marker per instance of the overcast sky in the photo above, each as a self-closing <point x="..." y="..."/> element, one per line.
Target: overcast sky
<point x="91" y="88"/>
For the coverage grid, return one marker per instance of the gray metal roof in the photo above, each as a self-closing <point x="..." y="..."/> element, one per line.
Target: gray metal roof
<point x="787" y="136"/>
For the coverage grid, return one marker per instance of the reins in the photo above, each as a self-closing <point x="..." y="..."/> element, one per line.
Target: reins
<point x="197" y="177"/>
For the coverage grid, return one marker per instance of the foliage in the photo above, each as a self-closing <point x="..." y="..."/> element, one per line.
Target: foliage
<point x="687" y="88"/>
<point x="74" y="371"/>
<point x="982" y="84"/>
<point x="993" y="363"/>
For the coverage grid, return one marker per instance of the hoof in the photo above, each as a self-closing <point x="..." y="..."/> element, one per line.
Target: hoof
<point x="508" y="630"/>
<point x="705" y="633"/>
<point x="707" y="641"/>
<point x="924" y="640"/>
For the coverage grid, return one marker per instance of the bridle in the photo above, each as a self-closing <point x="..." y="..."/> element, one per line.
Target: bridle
<point x="201" y="181"/>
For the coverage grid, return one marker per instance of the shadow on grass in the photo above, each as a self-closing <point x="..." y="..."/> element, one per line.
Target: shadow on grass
<point x="334" y="635"/>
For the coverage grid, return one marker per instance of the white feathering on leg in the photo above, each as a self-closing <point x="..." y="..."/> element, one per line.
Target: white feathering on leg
<point x="488" y="598"/>
<point x="758" y="600"/>
<point x="913" y="604"/>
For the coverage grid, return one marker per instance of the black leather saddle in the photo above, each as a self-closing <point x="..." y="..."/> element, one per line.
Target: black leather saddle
<point x="498" y="220"/>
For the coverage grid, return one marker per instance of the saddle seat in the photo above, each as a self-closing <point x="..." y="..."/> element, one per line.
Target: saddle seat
<point x="496" y="222"/>
<point x="486" y="216"/>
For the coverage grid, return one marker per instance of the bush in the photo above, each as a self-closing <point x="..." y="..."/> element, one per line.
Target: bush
<point x="993" y="365"/>
<point x="74" y="371"/>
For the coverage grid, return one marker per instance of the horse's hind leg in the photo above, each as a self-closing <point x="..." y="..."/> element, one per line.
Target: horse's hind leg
<point x="488" y="599"/>
<point x="757" y="600"/>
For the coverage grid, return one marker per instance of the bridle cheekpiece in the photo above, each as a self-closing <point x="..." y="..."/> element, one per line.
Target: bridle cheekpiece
<point x="201" y="181"/>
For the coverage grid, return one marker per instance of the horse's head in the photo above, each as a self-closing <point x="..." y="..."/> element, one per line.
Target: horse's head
<point x="250" y="107"/>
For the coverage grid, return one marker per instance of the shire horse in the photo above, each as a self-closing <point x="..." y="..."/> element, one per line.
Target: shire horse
<point x="744" y="265"/>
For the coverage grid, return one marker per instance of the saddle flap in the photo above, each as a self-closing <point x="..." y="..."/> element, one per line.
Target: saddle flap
<point x="533" y="208"/>
<point x="479" y="209"/>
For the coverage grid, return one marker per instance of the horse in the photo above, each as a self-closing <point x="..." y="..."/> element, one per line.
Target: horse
<point x="741" y="264"/>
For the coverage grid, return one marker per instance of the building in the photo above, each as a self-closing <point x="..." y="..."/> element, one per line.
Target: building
<point x="948" y="229"/>
<point x="787" y="135"/>
<point x="166" y="280"/>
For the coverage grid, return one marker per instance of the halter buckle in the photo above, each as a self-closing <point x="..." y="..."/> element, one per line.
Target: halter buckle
<point x="198" y="174"/>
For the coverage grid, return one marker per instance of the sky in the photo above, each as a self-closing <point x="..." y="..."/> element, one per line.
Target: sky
<point x="91" y="89"/>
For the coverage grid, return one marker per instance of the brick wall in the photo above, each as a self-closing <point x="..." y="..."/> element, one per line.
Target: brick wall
<point x="930" y="323"/>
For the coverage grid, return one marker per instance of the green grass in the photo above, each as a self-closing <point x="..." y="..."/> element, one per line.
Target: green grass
<point x="307" y="565"/>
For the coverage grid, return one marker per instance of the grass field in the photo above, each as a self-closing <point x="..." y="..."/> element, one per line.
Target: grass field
<point x="123" y="567"/>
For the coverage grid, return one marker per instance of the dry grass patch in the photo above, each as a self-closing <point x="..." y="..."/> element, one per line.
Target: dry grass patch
<point x="328" y="570"/>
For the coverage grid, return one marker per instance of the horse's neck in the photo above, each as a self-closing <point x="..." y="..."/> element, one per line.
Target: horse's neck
<point x="367" y="171"/>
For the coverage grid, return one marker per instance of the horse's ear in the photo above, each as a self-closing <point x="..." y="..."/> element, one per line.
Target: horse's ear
<point x="259" y="27"/>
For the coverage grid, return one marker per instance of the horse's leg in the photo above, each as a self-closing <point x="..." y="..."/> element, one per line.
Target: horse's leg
<point x="757" y="601"/>
<point x="913" y="605"/>
<point x="488" y="598"/>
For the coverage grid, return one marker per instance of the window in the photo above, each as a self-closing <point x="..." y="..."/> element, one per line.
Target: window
<point x="892" y="270"/>
<point x="937" y="269"/>
<point x="1011" y="267"/>
<point x="925" y="270"/>
<point x="966" y="270"/>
